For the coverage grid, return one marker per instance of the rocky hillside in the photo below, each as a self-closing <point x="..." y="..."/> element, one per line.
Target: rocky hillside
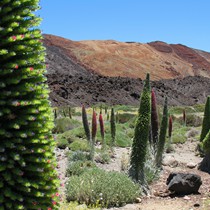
<point x="134" y="60"/>
<point x="74" y="82"/>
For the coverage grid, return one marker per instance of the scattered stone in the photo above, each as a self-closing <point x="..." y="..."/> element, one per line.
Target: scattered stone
<point x="186" y="198"/>
<point x="162" y="193"/>
<point x="191" y="165"/>
<point x="138" y="200"/>
<point x="170" y="161"/>
<point x="196" y="205"/>
<point x="184" y="184"/>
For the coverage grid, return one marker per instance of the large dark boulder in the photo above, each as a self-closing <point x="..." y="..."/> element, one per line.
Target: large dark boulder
<point x="184" y="184"/>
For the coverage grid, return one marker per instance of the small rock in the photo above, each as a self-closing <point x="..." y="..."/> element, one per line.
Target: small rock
<point x="191" y="165"/>
<point x="196" y="205"/>
<point x="170" y="161"/>
<point x="186" y="198"/>
<point x="138" y="200"/>
<point x="183" y="184"/>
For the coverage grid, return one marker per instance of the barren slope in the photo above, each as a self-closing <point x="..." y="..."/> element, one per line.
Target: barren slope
<point x="134" y="60"/>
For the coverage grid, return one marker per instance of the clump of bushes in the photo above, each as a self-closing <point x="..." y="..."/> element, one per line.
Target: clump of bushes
<point x="98" y="186"/>
<point x="79" y="167"/>
<point x="65" y="124"/>
<point x="124" y="117"/>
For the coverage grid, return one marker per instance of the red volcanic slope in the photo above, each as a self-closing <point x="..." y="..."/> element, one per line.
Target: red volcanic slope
<point x="134" y="60"/>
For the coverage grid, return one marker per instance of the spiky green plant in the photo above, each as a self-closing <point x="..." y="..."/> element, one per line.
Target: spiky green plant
<point x="107" y="116"/>
<point x="64" y="113"/>
<point x="70" y="113"/>
<point x="170" y="127"/>
<point x="112" y="127"/>
<point x="154" y="121"/>
<point x="93" y="136"/>
<point x="85" y="123"/>
<point x="141" y="134"/>
<point x="205" y="163"/>
<point x="28" y="179"/>
<point x="162" y="135"/>
<point x="206" y="120"/>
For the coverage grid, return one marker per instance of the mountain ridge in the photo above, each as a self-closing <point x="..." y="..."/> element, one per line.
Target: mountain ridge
<point x="133" y="59"/>
<point x="72" y="83"/>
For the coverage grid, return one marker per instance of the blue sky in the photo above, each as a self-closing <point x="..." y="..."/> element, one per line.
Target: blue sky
<point x="173" y="21"/>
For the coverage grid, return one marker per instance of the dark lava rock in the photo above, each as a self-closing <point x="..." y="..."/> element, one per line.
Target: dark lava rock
<point x="184" y="184"/>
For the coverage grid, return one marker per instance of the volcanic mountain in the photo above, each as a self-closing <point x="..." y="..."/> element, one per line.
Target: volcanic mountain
<point x="112" y="72"/>
<point x="134" y="60"/>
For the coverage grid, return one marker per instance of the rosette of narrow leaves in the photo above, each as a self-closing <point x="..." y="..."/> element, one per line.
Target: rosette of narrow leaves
<point x="162" y="136"/>
<point x="141" y="133"/>
<point x="94" y="131"/>
<point x="154" y="121"/>
<point x="28" y="179"/>
<point x="206" y="120"/>
<point x="112" y="127"/>
<point x="85" y="123"/>
<point x="101" y="123"/>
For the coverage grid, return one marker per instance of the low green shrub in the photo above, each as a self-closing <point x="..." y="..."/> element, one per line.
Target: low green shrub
<point x="125" y="108"/>
<point x="80" y="144"/>
<point x="193" y="120"/>
<point x="79" y="167"/>
<point x="123" y="136"/>
<point x="62" y="143"/>
<point x="179" y="135"/>
<point x="125" y="117"/>
<point x="199" y="107"/>
<point x="96" y="185"/>
<point x="78" y="155"/>
<point x="65" y="124"/>
<point x="103" y="157"/>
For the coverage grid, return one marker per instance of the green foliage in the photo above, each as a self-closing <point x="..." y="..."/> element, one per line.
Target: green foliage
<point x="79" y="167"/>
<point x="125" y="117"/>
<point x="162" y="135"/>
<point x="77" y="132"/>
<point x="205" y="144"/>
<point x="151" y="171"/>
<point x="123" y="136"/>
<point x="28" y="178"/>
<point x="125" y="108"/>
<point x="78" y="155"/>
<point x="96" y="185"/>
<point x="103" y="157"/>
<point x="206" y="120"/>
<point x="65" y="124"/>
<point x="193" y="120"/>
<point x="62" y="143"/>
<point x="179" y="135"/>
<point x="80" y="144"/>
<point x="141" y="133"/>
<point x="154" y="122"/>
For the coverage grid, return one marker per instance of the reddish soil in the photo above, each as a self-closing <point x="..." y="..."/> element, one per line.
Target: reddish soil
<point x="131" y="59"/>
